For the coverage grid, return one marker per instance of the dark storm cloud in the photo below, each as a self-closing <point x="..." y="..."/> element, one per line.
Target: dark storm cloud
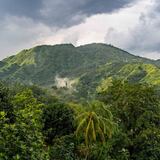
<point x="28" y="8"/>
<point x="59" y="12"/>
<point x="70" y="12"/>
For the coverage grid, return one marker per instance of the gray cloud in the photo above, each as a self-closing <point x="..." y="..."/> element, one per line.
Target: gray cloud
<point x="69" y="12"/>
<point x="146" y="35"/>
<point x="19" y="33"/>
<point x="61" y="13"/>
<point x="27" y="8"/>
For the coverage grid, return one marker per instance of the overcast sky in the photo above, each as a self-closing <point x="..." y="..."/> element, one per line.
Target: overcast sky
<point x="133" y="25"/>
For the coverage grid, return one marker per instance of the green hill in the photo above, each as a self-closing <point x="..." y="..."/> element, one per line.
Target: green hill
<point x="133" y="73"/>
<point x="67" y="69"/>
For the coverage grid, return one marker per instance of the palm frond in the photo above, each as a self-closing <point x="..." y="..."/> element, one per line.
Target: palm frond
<point x="80" y="126"/>
<point x="95" y="117"/>
<point x="101" y="134"/>
<point x="86" y="133"/>
<point x="93" y="131"/>
<point x="103" y="125"/>
<point x="81" y="116"/>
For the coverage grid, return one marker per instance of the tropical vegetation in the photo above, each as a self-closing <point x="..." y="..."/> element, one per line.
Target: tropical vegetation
<point x="93" y="102"/>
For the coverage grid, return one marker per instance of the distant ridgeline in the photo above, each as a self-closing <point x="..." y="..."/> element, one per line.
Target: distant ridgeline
<point x="77" y="71"/>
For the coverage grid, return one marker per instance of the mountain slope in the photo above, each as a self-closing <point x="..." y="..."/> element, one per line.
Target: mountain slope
<point x="82" y="67"/>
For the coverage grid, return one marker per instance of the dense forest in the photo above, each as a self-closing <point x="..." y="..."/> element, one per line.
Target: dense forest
<point x="122" y="123"/>
<point x="93" y="102"/>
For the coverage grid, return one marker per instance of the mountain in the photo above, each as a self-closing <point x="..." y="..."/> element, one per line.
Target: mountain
<point x="77" y="69"/>
<point x="158" y="62"/>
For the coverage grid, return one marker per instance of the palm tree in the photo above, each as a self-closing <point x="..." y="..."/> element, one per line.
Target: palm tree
<point x="95" y="124"/>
